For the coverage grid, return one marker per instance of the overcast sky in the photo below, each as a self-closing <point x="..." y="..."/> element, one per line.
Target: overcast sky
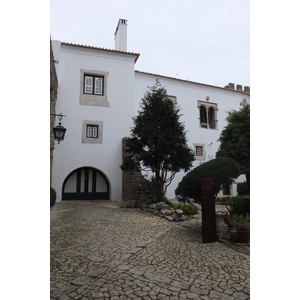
<point x="197" y="40"/>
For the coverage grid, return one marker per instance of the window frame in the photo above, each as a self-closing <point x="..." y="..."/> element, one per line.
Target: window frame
<point x="199" y="157"/>
<point x="197" y="148"/>
<point x="92" y="140"/>
<point x="208" y="115"/>
<point x="93" y="99"/>
<point x="93" y="85"/>
<point x="92" y="127"/>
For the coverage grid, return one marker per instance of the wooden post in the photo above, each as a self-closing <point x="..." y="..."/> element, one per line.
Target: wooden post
<point x="209" y="230"/>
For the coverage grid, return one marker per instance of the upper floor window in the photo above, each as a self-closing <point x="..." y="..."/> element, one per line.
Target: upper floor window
<point x="93" y="88"/>
<point x="208" y="114"/>
<point x="203" y="116"/>
<point x="93" y="85"/>
<point x="211" y="118"/>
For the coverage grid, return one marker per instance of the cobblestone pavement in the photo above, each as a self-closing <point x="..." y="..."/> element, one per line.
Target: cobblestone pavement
<point x="101" y="251"/>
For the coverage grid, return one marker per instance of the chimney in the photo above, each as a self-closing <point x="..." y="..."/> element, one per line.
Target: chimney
<point x="121" y="36"/>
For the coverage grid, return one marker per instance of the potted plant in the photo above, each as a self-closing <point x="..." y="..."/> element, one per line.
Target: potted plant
<point x="242" y="225"/>
<point x="228" y="217"/>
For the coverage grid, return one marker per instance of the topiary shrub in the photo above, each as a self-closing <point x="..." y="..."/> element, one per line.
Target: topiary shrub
<point x="240" y="205"/>
<point x="221" y="169"/>
<point x="242" y="188"/>
<point x="52" y="196"/>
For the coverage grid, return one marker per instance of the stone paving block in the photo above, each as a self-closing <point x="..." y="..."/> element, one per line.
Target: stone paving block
<point x="155" y="277"/>
<point x="180" y="285"/>
<point x="105" y="252"/>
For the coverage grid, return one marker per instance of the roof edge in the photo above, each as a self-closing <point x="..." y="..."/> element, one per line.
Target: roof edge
<point x="102" y="49"/>
<point x="193" y="82"/>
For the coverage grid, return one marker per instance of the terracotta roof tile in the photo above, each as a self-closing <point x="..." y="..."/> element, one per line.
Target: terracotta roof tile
<point x="194" y="82"/>
<point x="102" y="49"/>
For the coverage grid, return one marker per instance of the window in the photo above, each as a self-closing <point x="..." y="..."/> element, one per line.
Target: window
<point x="208" y="114"/>
<point x="93" y="85"/>
<point x="211" y="118"/>
<point x="226" y="189"/>
<point x="92" y="131"/>
<point x="203" y="116"/>
<point x="93" y="88"/>
<point x="199" y="150"/>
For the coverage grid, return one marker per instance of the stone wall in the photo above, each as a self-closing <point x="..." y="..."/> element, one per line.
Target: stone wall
<point x="53" y="97"/>
<point x="231" y="86"/>
<point x="134" y="186"/>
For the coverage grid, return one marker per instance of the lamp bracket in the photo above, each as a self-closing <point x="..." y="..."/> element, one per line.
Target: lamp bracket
<point x="60" y="116"/>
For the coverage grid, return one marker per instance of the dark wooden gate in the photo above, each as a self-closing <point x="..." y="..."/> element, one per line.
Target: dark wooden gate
<point x="85" y="184"/>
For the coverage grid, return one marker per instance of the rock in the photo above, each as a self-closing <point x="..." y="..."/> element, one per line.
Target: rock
<point x="152" y="206"/>
<point x="178" y="215"/>
<point x="143" y="206"/>
<point x="167" y="212"/>
<point x="161" y="205"/>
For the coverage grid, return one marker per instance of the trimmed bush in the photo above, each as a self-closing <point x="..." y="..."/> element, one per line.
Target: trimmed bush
<point x="52" y="196"/>
<point x="242" y="188"/>
<point x="221" y="169"/>
<point x="240" y="205"/>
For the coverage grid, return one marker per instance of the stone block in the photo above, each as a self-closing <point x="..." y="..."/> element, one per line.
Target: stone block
<point x="167" y="212"/>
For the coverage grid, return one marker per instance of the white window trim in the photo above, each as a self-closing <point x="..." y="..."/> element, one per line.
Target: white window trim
<point x="92" y="140"/>
<point x="203" y="156"/>
<point x="93" y="99"/>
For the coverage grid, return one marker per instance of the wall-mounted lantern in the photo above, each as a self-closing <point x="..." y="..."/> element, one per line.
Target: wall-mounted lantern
<point x="59" y="131"/>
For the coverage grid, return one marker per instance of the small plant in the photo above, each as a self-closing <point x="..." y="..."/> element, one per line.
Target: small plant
<point x="186" y="208"/>
<point x="240" y="205"/>
<point x="241" y="222"/>
<point x="222" y="199"/>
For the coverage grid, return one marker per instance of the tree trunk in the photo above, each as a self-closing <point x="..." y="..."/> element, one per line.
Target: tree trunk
<point x="158" y="187"/>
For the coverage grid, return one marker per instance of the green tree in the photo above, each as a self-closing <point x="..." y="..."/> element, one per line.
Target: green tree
<point x="222" y="169"/>
<point x="235" y="140"/>
<point x="158" y="140"/>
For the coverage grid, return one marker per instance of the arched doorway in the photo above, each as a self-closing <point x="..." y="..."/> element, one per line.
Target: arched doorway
<point x="85" y="183"/>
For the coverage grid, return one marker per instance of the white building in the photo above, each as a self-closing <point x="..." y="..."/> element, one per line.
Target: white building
<point x="99" y="91"/>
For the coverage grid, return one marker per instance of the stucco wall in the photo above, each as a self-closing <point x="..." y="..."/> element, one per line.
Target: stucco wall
<point x="116" y="119"/>
<point x="187" y="96"/>
<point x="123" y="94"/>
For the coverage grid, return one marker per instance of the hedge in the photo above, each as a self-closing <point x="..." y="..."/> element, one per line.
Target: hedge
<point x="240" y="205"/>
<point x="242" y="188"/>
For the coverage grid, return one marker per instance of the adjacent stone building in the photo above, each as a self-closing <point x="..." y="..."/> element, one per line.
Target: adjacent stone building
<point x="53" y="97"/>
